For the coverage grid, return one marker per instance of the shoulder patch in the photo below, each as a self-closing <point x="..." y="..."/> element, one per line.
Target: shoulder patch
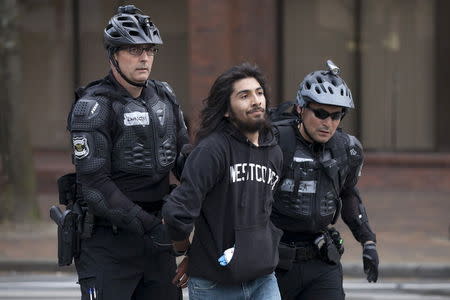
<point x="80" y="147"/>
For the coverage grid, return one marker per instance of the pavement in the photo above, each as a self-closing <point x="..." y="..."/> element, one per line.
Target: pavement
<point x="408" y="203"/>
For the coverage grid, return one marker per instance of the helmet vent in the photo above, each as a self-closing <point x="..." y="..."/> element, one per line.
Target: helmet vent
<point x="122" y="19"/>
<point x="323" y="88"/>
<point x="308" y="85"/>
<point x="129" y="24"/>
<point x="333" y="82"/>
<point x="114" y="34"/>
<point x="330" y="90"/>
<point x="133" y="33"/>
<point x="317" y="90"/>
<point x="319" y="80"/>
<point x="342" y="92"/>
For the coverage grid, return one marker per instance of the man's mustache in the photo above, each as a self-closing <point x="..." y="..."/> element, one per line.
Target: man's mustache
<point x="256" y="109"/>
<point x="143" y="68"/>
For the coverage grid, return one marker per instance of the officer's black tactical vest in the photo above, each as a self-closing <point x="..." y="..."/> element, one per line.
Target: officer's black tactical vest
<point x="313" y="176"/>
<point x="144" y="132"/>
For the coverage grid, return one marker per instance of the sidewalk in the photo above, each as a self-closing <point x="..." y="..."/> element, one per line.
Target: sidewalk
<point x="408" y="207"/>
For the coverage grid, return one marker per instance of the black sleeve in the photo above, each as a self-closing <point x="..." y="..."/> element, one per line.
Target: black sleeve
<point x="182" y="137"/>
<point x="90" y="128"/>
<point x="353" y="210"/>
<point x="355" y="216"/>
<point x="183" y="146"/>
<point x="204" y="167"/>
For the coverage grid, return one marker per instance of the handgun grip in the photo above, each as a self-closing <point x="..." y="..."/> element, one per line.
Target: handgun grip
<point x="56" y="215"/>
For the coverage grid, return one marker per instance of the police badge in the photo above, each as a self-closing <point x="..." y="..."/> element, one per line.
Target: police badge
<point x="80" y="147"/>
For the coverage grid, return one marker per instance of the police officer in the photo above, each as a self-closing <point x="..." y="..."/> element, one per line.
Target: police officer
<point x="321" y="169"/>
<point x="126" y="131"/>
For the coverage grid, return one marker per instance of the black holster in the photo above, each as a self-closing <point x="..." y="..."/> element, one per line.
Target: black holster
<point x="68" y="240"/>
<point x="68" y="237"/>
<point x="70" y="222"/>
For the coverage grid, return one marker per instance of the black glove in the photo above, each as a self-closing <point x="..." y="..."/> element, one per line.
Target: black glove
<point x="159" y="239"/>
<point x="370" y="261"/>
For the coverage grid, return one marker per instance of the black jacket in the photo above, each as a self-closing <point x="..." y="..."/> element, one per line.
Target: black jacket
<point x="226" y="191"/>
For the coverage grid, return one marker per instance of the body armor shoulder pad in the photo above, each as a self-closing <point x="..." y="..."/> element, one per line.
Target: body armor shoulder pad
<point x="286" y="137"/>
<point x="90" y="113"/>
<point x="353" y="141"/>
<point x="355" y="150"/>
<point x="168" y="88"/>
<point x="162" y="86"/>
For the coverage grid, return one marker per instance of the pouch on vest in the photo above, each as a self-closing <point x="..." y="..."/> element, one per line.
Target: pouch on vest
<point x="327" y="249"/>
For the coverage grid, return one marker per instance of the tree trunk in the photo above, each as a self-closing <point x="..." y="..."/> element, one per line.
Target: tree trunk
<point x="17" y="175"/>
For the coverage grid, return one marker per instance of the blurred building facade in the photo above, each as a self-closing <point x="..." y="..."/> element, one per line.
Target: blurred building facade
<point x="392" y="53"/>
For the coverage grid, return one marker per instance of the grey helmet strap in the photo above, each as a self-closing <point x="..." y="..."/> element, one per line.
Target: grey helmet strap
<point x="116" y="66"/>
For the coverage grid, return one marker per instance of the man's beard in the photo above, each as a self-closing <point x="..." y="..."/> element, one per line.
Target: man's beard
<point x="250" y="126"/>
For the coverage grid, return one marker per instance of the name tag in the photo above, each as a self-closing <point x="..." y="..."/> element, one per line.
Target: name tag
<point x="301" y="159"/>
<point x="136" y="118"/>
<point x="307" y="186"/>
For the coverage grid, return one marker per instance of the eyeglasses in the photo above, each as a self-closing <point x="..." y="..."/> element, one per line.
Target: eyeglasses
<point x="323" y="114"/>
<point x="136" y="50"/>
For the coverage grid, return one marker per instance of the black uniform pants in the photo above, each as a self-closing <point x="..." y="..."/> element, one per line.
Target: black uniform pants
<point x="311" y="280"/>
<point x="124" y="266"/>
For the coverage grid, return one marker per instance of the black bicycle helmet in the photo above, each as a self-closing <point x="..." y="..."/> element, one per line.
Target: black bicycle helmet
<point x="129" y="27"/>
<point x="325" y="87"/>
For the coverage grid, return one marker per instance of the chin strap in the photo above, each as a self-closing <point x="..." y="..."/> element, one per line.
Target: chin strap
<point x="116" y="65"/>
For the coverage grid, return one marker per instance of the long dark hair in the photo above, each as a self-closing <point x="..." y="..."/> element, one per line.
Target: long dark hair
<point x="218" y="101"/>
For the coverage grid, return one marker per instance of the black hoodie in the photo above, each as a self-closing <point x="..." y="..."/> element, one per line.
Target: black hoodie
<point x="227" y="190"/>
